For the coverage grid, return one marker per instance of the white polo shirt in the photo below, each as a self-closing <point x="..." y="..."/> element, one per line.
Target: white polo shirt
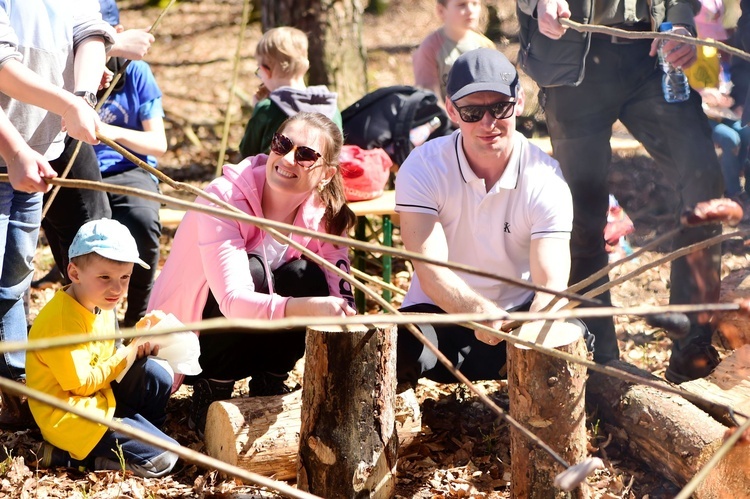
<point x="489" y="230"/>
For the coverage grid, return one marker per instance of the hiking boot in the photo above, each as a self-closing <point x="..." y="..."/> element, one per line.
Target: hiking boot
<point x="206" y="391"/>
<point x="696" y="360"/>
<point x="15" y="414"/>
<point x="265" y="384"/>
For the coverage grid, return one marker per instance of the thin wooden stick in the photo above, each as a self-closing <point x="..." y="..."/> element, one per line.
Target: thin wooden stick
<point x="246" y="8"/>
<point x="64" y="174"/>
<point x="641" y="35"/>
<point x="666" y="259"/>
<point x="189" y="455"/>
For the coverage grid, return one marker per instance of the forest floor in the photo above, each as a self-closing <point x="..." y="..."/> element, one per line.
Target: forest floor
<point x="463" y="450"/>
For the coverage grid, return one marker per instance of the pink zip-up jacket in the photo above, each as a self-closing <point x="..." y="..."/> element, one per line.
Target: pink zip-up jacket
<point x="210" y="251"/>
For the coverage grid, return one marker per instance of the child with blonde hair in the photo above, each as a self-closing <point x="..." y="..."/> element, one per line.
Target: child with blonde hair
<point x="83" y="376"/>
<point x="282" y="64"/>
<point x="459" y="33"/>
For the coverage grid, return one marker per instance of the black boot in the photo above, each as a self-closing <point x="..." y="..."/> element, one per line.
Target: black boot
<point x="206" y="391"/>
<point x="265" y="384"/>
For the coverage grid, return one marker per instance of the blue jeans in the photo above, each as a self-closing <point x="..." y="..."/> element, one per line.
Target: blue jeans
<point x="20" y="216"/>
<point x="733" y="139"/>
<point x="141" y="399"/>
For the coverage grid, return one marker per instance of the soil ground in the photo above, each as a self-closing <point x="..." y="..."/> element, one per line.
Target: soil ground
<point x="462" y="451"/>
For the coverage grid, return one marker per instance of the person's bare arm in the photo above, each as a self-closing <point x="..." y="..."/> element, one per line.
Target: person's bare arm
<point x="89" y="64"/>
<point x="423" y="233"/>
<point x="20" y="83"/>
<point x="550" y="267"/>
<point x="151" y="140"/>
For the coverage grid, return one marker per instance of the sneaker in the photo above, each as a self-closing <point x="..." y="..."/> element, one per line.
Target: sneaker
<point x="206" y="391"/>
<point x="53" y="457"/>
<point x="15" y="414"/>
<point x="696" y="360"/>
<point x="265" y="384"/>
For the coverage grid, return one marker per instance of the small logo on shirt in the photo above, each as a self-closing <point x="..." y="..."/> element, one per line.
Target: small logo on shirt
<point x="507" y="227"/>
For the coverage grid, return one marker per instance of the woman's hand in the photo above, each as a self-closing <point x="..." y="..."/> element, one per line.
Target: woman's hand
<point x="325" y="306"/>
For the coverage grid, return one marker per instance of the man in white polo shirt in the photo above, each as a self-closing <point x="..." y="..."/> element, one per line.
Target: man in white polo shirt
<point x="486" y="197"/>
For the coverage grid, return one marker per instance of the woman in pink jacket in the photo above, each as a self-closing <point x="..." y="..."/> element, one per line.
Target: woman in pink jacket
<point x="224" y="268"/>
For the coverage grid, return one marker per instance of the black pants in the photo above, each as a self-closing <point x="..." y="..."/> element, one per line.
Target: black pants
<point x="141" y="217"/>
<point x="232" y="355"/>
<point x="73" y="207"/>
<point x="623" y="82"/>
<point x="475" y="359"/>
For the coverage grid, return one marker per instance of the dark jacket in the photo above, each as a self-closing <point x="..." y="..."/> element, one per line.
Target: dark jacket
<point x="552" y="63"/>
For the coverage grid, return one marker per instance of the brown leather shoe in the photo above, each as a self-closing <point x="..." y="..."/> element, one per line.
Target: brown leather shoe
<point x="15" y="413"/>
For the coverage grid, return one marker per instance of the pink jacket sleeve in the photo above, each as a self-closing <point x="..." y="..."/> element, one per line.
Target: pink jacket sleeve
<point x="222" y="246"/>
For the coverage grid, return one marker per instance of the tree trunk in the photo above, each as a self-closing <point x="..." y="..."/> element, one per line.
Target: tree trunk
<point x="348" y="440"/>
<point x="668" y="433"/>
<point x="334" y="29"/>
<point x="547" y="396"/>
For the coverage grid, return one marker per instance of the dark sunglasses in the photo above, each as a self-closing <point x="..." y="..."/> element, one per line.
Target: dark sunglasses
<point x="474" y="113"/>
<point x="304" y="157"/>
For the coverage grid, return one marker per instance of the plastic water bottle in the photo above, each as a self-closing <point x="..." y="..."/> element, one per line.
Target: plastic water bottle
<point x="674" y="82"/>
<point x="419" y="134"/>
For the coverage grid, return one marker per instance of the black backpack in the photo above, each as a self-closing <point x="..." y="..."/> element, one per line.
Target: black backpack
<point x="384" y="118"/>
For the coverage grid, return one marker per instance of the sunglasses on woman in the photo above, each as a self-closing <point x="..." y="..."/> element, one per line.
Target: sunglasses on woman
<point x="304" y="157"/>
<point x="498" y="110"/>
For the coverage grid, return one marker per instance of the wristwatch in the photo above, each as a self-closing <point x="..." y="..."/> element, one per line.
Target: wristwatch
<point x="89" y="97"/>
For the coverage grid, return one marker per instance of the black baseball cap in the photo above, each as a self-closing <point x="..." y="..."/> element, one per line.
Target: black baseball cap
<point x="481" y="70"/>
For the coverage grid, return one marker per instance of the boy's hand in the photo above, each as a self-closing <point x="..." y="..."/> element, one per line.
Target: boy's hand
<point x="145" y="349"/>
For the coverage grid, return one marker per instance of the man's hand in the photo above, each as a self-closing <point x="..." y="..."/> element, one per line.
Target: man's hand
<point x="132" y="44"/>
<point x="81" y="121"/>
<point x="549" y="12"/>
<point x="490" y="338"/>
<point x="678" y="54"/>
<point x="28" y="169"/>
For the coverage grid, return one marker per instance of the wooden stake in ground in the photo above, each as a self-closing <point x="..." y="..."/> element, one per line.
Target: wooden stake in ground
<point x="547" y="395"/>
<point x="348" y="440"/>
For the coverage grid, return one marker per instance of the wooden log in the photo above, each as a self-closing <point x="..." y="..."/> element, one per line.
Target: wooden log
<point x="261" y="434"/>
<point x="671" y="435"/>
<point x="733" y="328"/>
<point x="728" y="385"/>
<point x="348" y="440"/>
<point x="547" y="396"/>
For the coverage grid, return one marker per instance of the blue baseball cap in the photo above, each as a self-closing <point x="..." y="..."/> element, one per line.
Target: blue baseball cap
<point x="110" y="12"/>
<point x="107" y="238"/>
<point x="481" y="70"/>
